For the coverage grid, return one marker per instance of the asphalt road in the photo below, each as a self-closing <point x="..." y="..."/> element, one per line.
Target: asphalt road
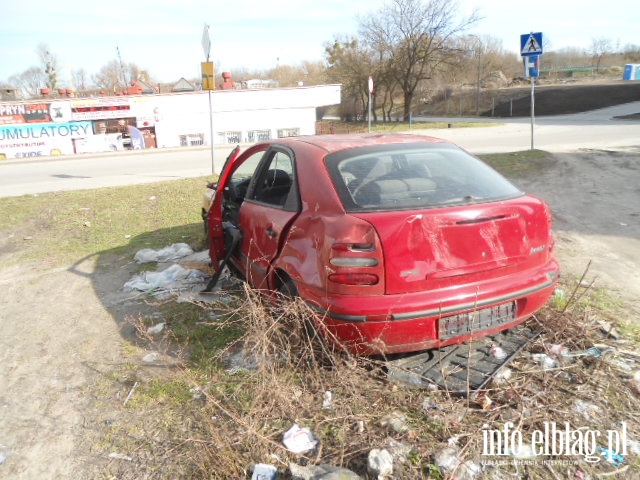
<point x="591" y="130"/>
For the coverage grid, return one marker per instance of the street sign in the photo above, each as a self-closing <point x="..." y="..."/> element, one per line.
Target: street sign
<point x="208" y="80"/>
<point x="531" y="44"/>
<point x="531" y="66"/>
<point x="206" y="42"/>
<point x="371" y="85"/>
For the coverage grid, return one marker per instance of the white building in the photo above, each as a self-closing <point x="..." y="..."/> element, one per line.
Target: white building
<point x="80" y="125"/>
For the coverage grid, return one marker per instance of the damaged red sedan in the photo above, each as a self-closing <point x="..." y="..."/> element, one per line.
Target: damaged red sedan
<point x="399" y="242"/>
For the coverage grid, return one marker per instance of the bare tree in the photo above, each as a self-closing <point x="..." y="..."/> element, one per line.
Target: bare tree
<point x="286" y="75"/>
<point x="49" y="64"/>
<point x="30" y="82"/>
<point x="80" y="80"/>
<point x="631" y="53"/>
<point x="414" y="37"/>
<point x="109" y="77"/>
<point x="598" y="49"/>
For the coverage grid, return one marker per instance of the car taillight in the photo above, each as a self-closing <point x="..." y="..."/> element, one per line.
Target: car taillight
<point x="354" y="278"/>
<point x="355" y="264"/>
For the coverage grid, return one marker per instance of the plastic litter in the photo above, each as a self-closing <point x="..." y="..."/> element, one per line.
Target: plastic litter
<point x="321" y="472"/>
<point x="405" y="377"/>
<point x="151" y="357"/>
<point x="380" y="463"/>
<point x="299" y="440"/>
<point x="197" y="393"/>
<point x="545" y="361"/>
<point x="174" y="276"/>
<point x="395" y="420"/>
<point x="166" y="254"/>
<point x="263" y="471"/>
<point x="502" y="376"/>
<point x="588" y="410"/>
<point x="428" y="404"/>
<point x="399" y="450"/>
<point x="120" y="456"/>
<point x="619" y="363"/>
<point x="635" y="381"/>
<point x="498" y="352"/>
<point x="483" y="400"/>
<point x="559" y="350"/>
<point x="610" y="456"/>
<point x="327" y="400"/>
<point x="157" y="328"/>
<point x="447" y="459"/>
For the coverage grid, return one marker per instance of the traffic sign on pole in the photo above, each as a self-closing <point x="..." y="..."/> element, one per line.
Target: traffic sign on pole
<point x="531" y="44"/>
<point x="531" y="49"/>
<point x="206" y="42"/>
<point x="531" y="66"/>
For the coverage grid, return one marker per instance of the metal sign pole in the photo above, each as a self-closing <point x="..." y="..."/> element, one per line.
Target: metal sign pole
<point x="533" y="107"/>
<point x="208" y="82"/>
<point x="370" y="85"/>
<point x="213" y="164"/>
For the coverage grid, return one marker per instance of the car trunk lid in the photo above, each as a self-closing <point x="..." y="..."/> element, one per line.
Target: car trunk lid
<point x="435" y="248"/>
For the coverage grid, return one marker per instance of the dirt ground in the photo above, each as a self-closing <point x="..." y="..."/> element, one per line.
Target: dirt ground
<point x="62" y="339"/>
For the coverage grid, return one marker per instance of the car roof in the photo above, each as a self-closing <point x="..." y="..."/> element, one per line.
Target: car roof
<point x="337" y="142"/>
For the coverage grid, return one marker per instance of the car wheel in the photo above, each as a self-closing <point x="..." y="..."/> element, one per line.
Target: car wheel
<point x="288" y="289"/>
<point x="289" y="292"/>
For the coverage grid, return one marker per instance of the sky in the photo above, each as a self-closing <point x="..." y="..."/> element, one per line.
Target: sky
<point x="164" y="37"/>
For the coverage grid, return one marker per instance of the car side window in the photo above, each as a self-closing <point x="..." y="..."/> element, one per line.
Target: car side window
<point x="275" y="185"/>
<point x="238" y="185"/>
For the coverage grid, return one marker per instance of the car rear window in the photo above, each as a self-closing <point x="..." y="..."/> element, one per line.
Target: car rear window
<point x="414" y="176"/>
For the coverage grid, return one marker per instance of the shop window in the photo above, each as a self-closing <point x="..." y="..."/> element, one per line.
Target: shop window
<point x="192" y="140"/>
<point x="258" y="135"/>
<point x="288" y="132"/>
<point x="233" y="137"/>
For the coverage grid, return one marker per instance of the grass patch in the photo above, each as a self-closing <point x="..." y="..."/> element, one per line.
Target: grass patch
<point x="63" y="226"/>
<point x="394" y="127"/>
<point x="523" y="164"/>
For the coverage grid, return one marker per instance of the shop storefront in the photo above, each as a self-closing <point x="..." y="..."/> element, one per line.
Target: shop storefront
<point x="89" y="125"/>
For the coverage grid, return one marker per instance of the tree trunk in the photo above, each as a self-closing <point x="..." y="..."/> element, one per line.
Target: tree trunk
<point x="408" y="97"/>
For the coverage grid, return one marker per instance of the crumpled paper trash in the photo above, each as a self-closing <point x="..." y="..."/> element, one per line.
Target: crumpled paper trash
<point x="299" y="440"/>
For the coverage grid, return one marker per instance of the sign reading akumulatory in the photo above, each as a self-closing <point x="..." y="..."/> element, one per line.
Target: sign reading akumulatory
<point x="34" y="140"/>
<point x="75" y="126"/>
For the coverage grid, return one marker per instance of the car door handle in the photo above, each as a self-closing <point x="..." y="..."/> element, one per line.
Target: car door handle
<point x="271" y="233"/>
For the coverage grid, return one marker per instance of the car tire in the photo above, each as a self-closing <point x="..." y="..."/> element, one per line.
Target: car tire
<point x="289" y="292"/>
<point x="288" y="289"/>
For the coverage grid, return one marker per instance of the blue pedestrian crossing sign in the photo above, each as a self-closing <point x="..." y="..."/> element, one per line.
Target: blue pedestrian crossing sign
<point x="531" y="44"/>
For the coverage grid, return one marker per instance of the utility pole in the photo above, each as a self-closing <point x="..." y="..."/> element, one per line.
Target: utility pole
<point x="122" y="71"/>
<point x="478" y="53"/>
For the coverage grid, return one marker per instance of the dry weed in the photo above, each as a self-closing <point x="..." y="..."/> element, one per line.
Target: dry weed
<point x="279" y="372"/>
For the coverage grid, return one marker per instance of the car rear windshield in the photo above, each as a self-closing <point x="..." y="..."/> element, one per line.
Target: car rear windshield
<point x="410" y="176"/>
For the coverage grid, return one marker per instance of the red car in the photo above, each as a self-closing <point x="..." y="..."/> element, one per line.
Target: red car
<point x="400" y="242"/>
